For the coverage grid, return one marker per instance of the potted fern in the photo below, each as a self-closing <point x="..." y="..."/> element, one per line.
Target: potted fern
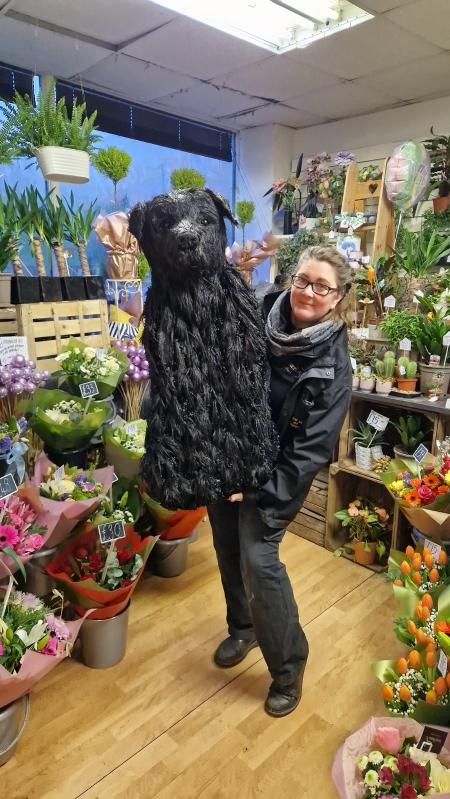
<point x="114" y="164"/>
<point x="384" y="373"/>
<point x="367" y="445"/>
<point x="407" y="374"/>
<point x="61" y="144"/>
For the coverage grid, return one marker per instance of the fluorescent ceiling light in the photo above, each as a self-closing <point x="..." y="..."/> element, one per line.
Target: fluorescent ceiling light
<point x="276" y="25"/>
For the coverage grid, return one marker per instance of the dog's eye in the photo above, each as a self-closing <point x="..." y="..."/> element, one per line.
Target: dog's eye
<point x="165" y="223"/>
<point x="205" y="222"/>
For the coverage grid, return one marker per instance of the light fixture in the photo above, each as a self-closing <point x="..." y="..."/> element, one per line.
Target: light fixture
<point x="276" y="25"/>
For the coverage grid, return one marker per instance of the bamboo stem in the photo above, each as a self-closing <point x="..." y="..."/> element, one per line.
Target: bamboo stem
<point x="17" y="266"/>
<point x="39" y="258"/>
<point x="60" y="260"/>
<point x="83" y="259"/>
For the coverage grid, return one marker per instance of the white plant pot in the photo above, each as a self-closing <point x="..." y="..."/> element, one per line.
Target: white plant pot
<point x="308" y="223"/>
<point x="63" y="165"/>
<point x="367" y="384"/>
<point x="355" y="382"/>
<point x="366" y="371"/>
<point x="364" y="456"/>
<point x="383" y="387"/>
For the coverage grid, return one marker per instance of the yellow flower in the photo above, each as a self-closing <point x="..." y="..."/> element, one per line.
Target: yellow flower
<point x="398" y="486"/>
<point x="429" y="316"/>
<point x="447" y="478"/>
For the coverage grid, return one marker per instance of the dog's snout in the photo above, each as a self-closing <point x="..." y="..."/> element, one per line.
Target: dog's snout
<point x="187" y="240"/>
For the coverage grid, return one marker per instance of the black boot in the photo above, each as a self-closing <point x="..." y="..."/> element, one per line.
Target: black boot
<point x="283" y="699"/>
<point x="233" y="650"/>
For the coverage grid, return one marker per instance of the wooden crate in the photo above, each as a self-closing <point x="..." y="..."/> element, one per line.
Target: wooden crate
<point x="311" y="521"/>
<point x="8" y="320"/>
<point x="48" y="325"/>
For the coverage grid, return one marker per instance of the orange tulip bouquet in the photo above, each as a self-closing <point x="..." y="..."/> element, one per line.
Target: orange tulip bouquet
<point x="415" y="573"/>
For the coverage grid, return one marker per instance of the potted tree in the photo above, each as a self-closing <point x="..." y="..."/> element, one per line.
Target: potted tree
<point x="384" y="373"/>
<point x="431" y="348"/>
<point x="416" y="256"/>
<point x="61" y="144"/>
<point x="367" y="445"/>
<point x="114" y="164"/>
<point x="29" y="209"/>
<point x="78" y="228"/>
<point x="407" y="379"/>
<point x="186" y="178"/>
<point x="245" y="214"/>
<point x="367" y="524"/>
<point x="439" y="150"/>
<point x="412" y="430"/>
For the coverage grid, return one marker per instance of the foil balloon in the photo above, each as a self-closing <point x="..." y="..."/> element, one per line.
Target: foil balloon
<point x="407" y="174"/>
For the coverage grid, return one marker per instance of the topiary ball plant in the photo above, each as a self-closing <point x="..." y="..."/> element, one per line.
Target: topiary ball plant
<point x="245" y="213"/>
<point x="114" y="164"/>
<point x="186" y="178"/>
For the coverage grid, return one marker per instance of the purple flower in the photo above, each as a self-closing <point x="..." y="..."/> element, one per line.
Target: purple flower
<point x="57" y="626"/>
<point x="80" y="481"/>
<point x="5" y="444"/>
<point x="23" y="424"/>
<point x="31" y="601"/>
<point x="344" y="158"/>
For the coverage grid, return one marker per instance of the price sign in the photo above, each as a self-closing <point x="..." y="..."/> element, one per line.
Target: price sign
<point x="377" y="452"/>
<point x="432" y="740"/>
<point x="111" y="531"/>
<point x="89" y="389"/>
<point x="442" y="663"/>
<point x="364" y="332"/>
<point x="100" y="353"/>
<point x="402" y="371"/>
<point x="59" y="474"/>
<point x="353" y="363"/>
<point x="378" y="421"/>
<point x="420" y="453"/>
<point x="418" y="294"/>
<point x="405" y="344"/>
<point x="11" y="346"/>
<point x="447" y="404"/>
<point x="446" y="340"/>
<point x="131" y="428"/>
<point x="115" y="478"/>
<point x="433" y="547"/>
<point x="389" y="302"/>
<point x="332" y="235"/>
<point x="7" y="486"/>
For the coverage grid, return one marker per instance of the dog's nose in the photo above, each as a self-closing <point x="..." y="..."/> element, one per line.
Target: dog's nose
<point x="187" y="241"/>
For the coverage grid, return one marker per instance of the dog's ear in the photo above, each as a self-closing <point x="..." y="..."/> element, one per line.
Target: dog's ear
<point x="136" y="219"/>
<point x="222" y="206"/>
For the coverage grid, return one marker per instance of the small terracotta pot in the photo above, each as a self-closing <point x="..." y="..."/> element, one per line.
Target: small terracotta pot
<point x="405" y="384"/>
<point x="440" y="204"/>
<point x="361" y="556"/>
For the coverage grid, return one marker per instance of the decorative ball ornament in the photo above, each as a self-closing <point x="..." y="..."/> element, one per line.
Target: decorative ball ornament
<point x="407" y="174"/>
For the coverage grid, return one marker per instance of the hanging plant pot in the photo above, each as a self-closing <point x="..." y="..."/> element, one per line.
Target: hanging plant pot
<point x="50" y="289"/>
<point x="10" y="727"/>
<point x="73" y="288"/>
<point x="62" y="164"/>
<point x="23" y="289"/>
<point x="363" y="557"/>
<point x="39" y="582"/>
<point x="104" y="641"/>
<point x="287" y="223"/>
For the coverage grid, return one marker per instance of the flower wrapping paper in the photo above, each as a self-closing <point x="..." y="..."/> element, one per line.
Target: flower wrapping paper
<point x="345" y="772"/>
<point x="431" y="520"/>
<point x="112" y="230"/>
<point x="65" y="435"/>
<point x="424" y="713"/>
<point x="171" y="525"/>
<point x="125" y="462"/>
<point x="252" y="253"/>
<point x="43" y="519"/>
<point x="64" y="516"/>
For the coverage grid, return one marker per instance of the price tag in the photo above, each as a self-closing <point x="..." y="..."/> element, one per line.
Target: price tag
<point x="432" y="740"/>
<point x="11" y="346"/>
<point x="59" y="474"/>
<point x="418" y="294"/>
<point x="364" y="332"/>
<point x="442" y="663"/>
<point x="344" y="224"/>
<point x="332" y="235"/>
<point x="433" y="399"/>
<point x="378" y="421"/>
<point x="111" y="531"/>
<point x="115" y="478"/>
<point x="447" y="404"/>
<point x="389" y="302"/>
<point x="7" y="486"/>
<point x="405" y="344"/>
<point x="100" y="353"/>
<point x="377" y="452"/>
<point x="353" y="363"/>
<point x="89" y="389"/>
<point x="350" y="230"/>
<point x="420" y="453"/>
<point x="402" y="370"/>
<point x="446" y="340"/>
<point x="366" y="260"/>
<point x="131" y="428"/>
<point x="433" y="547"/>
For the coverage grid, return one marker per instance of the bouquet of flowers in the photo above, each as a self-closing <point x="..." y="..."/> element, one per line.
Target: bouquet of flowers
<point x="79" y="569"/>
<point x="251" y="254"/>
<point x="13" y="446"/>
<point x="81" y="363"/>
<point x="24" y="529"/>
<point x="125" y="505"/>
<point x="383" y="759"/>
<point x="33" y="639"/>
<point x="168" y="524"/>
<point x="59" y="419"/>
<point x="418" y="630"/>
<point x="414" y="573"/>
<point x="125" y="446"/>
<point x="419" y="494"/>
<point x="70" y="500"/>
<point x="284" y="191"/>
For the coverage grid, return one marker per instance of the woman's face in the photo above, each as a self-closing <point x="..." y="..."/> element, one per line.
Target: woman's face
<point x="308" y="308"/>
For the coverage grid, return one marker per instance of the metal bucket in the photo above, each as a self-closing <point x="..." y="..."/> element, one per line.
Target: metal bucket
<point x="38" y="581"/>
<point x="170" y="557"/>
<point x="104" y="641"/>
<point x="10" y="727"/>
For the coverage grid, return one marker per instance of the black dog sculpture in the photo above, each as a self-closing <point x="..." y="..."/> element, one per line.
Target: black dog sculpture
<point x="209" y="428"/>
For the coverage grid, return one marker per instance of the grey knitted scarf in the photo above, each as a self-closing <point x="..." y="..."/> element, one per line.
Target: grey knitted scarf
<point x="282" y="343"/>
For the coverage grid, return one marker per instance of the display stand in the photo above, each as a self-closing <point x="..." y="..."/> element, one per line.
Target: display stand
<point x="353" y="201"/>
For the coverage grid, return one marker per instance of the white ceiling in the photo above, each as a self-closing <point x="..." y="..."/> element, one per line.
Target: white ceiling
<point x="138" y="50"/>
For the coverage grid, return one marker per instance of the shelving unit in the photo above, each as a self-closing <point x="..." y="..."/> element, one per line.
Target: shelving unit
<point x="353" y="201"/>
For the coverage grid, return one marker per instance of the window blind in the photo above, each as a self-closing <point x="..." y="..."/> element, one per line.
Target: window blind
<point x="12" y="80"/>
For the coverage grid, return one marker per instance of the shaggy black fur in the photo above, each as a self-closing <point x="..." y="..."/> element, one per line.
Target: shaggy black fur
<point x="209" y="425"/>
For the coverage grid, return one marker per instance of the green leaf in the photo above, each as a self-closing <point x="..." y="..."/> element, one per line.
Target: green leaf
<point x="337" y="553"/>
<point x="10" y="552"/>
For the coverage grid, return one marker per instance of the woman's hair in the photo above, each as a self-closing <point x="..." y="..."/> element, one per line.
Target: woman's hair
<point x="343" y="273"/>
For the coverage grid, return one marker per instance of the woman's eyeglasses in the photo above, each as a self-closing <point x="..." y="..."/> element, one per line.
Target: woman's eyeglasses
<point x="318" y="288"/>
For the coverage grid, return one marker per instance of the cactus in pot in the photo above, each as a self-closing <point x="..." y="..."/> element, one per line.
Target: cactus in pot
<point x="407" y="374"/>
<point x="384" y="373"/>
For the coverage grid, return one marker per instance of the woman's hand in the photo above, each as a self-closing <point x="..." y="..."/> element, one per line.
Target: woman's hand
<point x="236" y="498"/>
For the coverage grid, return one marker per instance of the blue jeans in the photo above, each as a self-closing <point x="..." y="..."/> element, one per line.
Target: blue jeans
<point x="258" y="592"/>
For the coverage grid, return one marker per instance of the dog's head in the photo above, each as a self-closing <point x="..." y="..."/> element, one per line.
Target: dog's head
<point x="182" y="230"/>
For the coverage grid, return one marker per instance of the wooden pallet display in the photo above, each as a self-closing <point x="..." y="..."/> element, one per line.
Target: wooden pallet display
<point x="8" y="320"/>
<point x="48" y="325"/>
<point x="311" y="521"/>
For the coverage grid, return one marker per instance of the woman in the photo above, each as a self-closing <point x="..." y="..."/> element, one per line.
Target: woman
<point x="309" y="396"/>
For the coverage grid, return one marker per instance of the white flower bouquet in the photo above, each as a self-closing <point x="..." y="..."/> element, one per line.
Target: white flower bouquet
<point x="81" y="364"/>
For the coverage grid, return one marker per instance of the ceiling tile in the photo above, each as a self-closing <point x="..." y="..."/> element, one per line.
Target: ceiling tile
<point x="346" y="99"/>
<point x="277" y="114"/>
<point x="358" y="51"/>
<point x="44" y="52"/>
<point x="428" y="18"/>
<point x="276" y="78"/>
<point x="134" y="79"/>
<point x="112" y="21"/>
<point x="423" y="78"/>
<point x="195" y="49"/>
<point x="380" y="6"/>
<point x="205" y="99"/>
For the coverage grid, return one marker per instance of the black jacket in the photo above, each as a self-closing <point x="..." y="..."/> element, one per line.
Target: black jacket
<point x="308" y="419"/>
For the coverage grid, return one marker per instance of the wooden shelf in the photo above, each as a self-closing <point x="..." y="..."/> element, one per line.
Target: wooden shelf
<point x="374" y="567"/>
<point x="411" y="403"/>
<point x="349" y="465"/>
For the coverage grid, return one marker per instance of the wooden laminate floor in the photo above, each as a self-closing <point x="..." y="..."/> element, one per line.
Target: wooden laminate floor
<point x="167" y="724"/>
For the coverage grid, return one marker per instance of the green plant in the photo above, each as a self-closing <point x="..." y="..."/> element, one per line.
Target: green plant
<point x="429" y="341"/>
<point x="186" y="178"/>
<point x="407" y="368"/>
<point x="143" y="266"/>
<point x="114" y="164"/>
<point x="411" y="430"/>
<point x="366" y="522"/>
<point x="401" y="324"/>
<point x="55" y="221"/>
<point x="419" y="254"/>
<point x="385" y="368"/>
<point x="245" y="214"/>
<point x="364" y="435"/>
<point x="8" y="250"/>
<point x="12" y="224"/>
<point x="291" y="249"/>
<point x="439" y="150"/>
<point x="77" y="229"/>
<point x="8" y="149"/>
<point x="27" y="126"/>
